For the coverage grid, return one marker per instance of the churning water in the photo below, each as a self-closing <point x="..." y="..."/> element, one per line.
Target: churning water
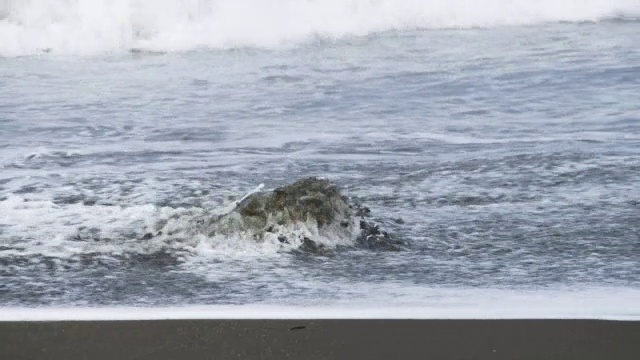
<point x="500" y="140"/>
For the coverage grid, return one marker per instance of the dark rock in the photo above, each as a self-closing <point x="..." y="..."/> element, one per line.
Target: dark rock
<point x="372" y="237"/>
<point x="307" y="198"/>
<point x="311" y="246"/>
<point x="298" y="213"/>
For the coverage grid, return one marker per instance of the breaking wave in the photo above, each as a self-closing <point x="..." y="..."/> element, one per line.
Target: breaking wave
<point x="80" y="226"/>
<point x="64" y="231"/>
<point x="102" y="26"/>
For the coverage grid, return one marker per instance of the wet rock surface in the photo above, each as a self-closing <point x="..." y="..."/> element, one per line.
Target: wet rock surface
<point x="302" y="213"/>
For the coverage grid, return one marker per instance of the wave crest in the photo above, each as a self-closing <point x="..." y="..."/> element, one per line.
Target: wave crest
<point x="99" y="26"/>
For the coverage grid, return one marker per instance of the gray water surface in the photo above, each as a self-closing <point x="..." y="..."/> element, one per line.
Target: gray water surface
<point x="505" y="157"/>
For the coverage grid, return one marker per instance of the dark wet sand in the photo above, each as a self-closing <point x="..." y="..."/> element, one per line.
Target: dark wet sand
<point x="321" y="339"/>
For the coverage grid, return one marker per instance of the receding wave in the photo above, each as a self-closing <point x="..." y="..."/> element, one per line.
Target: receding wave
<point x="101" y="26"/>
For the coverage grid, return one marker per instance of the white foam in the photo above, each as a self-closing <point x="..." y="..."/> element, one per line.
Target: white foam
<point x="610" y="304"/>
<point x="98" y="26"/>
<point x="46" y="228"/>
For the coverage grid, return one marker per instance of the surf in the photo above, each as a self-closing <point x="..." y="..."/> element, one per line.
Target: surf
<point x="89" y="27"/>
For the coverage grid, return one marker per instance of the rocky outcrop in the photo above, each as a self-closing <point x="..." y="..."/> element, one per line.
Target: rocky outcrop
<point x="302" y="213"/>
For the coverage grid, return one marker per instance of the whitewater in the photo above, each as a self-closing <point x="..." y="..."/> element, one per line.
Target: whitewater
<point x="499" y="141"/>
<point x="95" y="27"/>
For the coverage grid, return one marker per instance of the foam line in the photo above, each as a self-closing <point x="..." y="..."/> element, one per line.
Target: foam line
<point x="607" y="304"/>
<point x="281" y="312"/>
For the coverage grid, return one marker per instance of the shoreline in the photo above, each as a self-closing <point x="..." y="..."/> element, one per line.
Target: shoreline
<point x="321" y="339"/>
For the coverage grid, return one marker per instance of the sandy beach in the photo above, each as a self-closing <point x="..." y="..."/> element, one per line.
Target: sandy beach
<point x="321" y="339"/>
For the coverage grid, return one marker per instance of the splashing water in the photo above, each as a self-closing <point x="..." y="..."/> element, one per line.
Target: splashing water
<point x="99" y="26"/>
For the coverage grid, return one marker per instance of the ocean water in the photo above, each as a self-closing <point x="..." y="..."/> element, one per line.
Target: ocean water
<point x="500" y="141"/>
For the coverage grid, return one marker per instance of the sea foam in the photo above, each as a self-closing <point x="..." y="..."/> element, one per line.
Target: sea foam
<point x="425" y="303"/>
<point x="102" y="26"/>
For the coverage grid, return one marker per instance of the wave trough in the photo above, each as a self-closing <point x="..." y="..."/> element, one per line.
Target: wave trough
<point x="88" y="27"/>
